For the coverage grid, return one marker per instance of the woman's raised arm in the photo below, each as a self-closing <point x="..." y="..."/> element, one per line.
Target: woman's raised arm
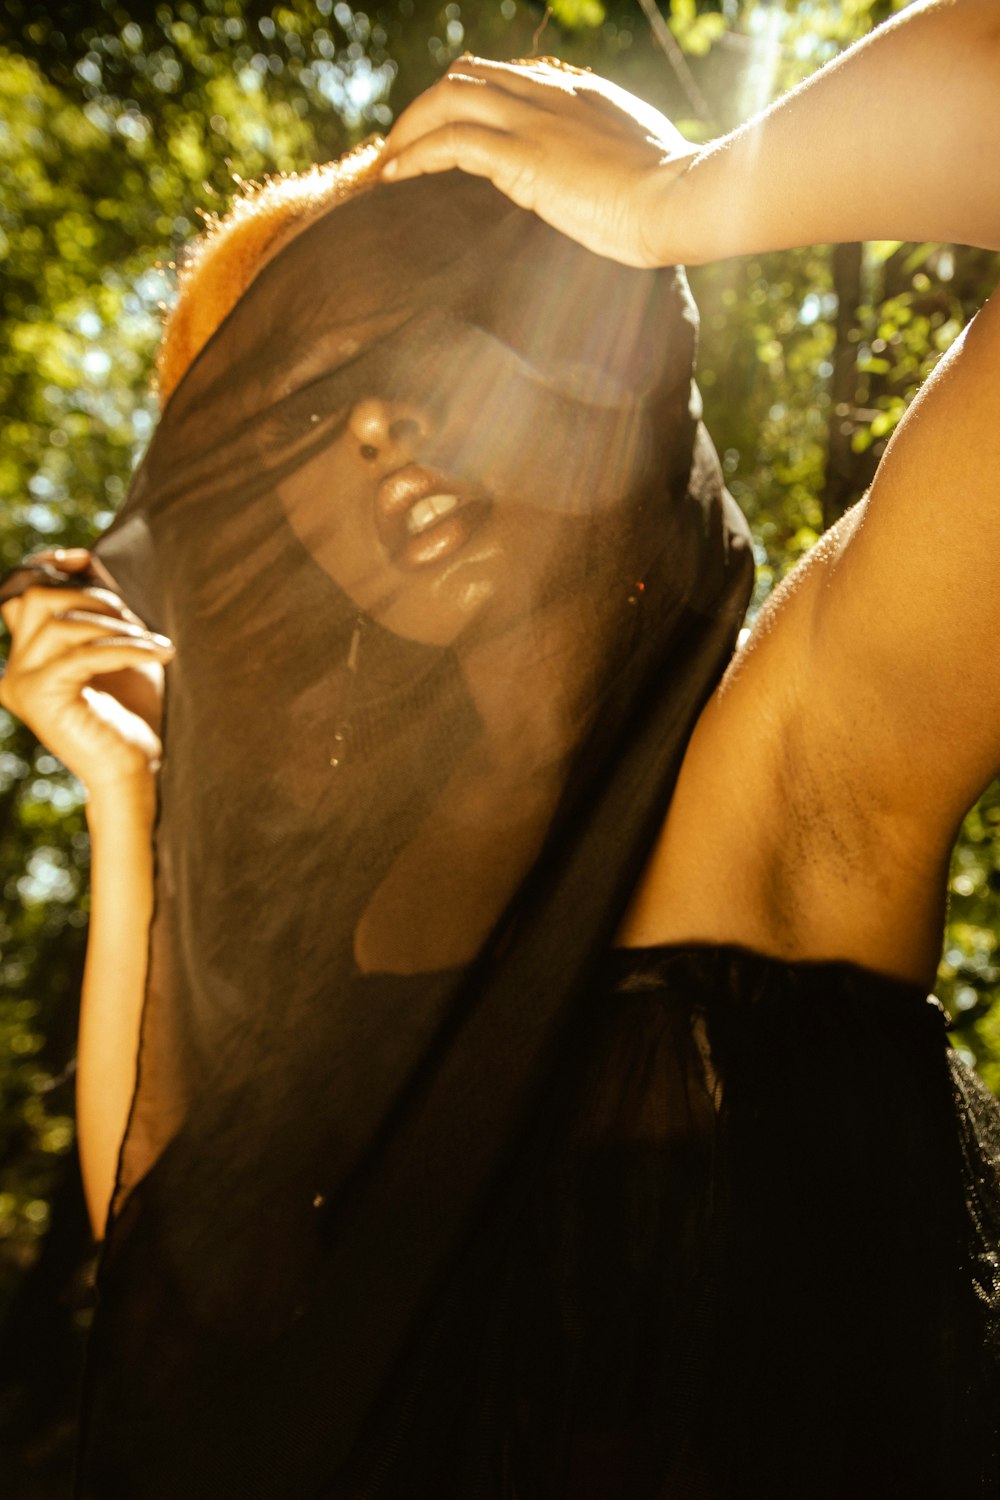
<point x="895" y="139"/>
<point x="889" y="668"/>
<point x="87" y="677"/>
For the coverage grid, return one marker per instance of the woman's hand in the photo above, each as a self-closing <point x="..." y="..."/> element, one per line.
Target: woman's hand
<point x="87" y="677"/>
<point x="581" y="153"/>
<point x="609" y="171"/>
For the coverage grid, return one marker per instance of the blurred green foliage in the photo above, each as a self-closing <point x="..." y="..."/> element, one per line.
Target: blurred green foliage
<point x="122" y="126"/>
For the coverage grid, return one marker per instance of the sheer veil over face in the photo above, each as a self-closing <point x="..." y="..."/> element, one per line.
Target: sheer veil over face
<point x="450" y="570"/>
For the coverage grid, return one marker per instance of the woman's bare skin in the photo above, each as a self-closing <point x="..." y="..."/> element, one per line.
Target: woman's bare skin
<point x="858" y="725"/>
<point x="826" y="779"/>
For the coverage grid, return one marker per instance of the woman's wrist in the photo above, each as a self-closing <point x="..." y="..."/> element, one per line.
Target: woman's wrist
<point x="663" y="228"/>
<point x="690" y="212"/>
<point x="130" y="799"/>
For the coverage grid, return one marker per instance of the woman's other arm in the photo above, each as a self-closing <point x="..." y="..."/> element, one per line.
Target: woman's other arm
<point x="87" y="678"/>
<point x="895" y="139"/>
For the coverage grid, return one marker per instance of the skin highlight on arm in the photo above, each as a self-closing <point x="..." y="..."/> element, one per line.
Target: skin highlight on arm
<point x="120" y="822"/>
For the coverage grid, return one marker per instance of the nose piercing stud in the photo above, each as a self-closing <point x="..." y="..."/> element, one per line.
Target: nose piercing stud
<point x="368" y="453"/>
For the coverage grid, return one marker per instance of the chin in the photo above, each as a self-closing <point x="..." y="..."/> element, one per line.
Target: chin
<point x="444" y="608"/>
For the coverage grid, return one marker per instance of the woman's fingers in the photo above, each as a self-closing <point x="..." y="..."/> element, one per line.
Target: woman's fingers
<point x="81" y="623"/>
<point x="78" y="661"/>
<point x="521" y="74"/>
<point x="54" y="621"/>
<point x="521" y="97"/>
<point x="505" y="97"/>
<point x="38" y="605"/>
<point x="589" y="158"/>
<point x="63" y="648"/>
<point x="458" y="98"/>
<point x="477" y="149"/>
<point x="70" y="559"/>
<point x="66" y="559"/>
<point x="86" y="675"/>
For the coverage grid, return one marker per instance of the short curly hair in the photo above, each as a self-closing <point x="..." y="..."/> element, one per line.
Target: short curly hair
<point x="220" y="264"/>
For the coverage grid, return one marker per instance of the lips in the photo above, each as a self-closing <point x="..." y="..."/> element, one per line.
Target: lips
<point x="423" y="515"/>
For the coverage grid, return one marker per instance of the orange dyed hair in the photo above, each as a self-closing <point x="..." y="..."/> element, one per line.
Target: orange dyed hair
<point x="221" y="263"/>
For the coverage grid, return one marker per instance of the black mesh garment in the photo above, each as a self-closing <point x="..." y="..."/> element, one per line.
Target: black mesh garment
<point x="431" y="692"/>
<point x="755" y="1254"/>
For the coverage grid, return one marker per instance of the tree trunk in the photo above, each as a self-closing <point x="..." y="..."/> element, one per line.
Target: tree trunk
<point x="841" y="487"/>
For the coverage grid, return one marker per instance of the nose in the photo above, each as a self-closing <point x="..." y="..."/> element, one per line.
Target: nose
<point x="389" y="434"/>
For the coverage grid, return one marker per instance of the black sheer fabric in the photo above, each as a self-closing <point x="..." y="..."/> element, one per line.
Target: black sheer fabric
<point x="450" y="570"/>
<point x="755" y="1255"/>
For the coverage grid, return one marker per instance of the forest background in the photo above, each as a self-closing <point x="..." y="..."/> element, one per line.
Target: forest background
<point x="121" y="127"/>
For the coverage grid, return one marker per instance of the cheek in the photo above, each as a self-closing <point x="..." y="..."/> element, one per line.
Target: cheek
<point x="329" y="508"/>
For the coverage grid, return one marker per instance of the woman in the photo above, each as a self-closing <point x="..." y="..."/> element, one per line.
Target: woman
<point x="785" y="1296"/>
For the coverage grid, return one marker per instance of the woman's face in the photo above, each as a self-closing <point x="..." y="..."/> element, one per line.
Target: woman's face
<point x="477" y="507"/>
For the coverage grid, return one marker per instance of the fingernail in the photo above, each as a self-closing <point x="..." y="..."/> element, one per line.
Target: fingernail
<point x="391" y="168"/>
